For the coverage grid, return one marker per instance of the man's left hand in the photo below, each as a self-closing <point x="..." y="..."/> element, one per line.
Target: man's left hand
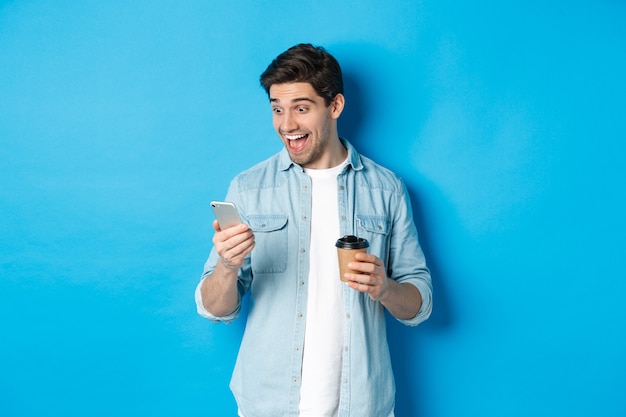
<point x="371" y="277"/>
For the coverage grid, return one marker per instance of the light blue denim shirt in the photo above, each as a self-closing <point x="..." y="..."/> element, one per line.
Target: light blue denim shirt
<point x="274" y="198"/>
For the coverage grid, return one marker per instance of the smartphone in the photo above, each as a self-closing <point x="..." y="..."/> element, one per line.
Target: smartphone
<point x="226" y="214"/>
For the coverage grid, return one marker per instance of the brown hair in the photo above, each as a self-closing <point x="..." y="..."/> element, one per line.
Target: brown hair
<point x="309" y="64"/>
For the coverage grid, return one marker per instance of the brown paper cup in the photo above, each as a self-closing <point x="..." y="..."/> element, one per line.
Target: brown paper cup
<point x="347" y="248"/>
<point x="345" y="256"/>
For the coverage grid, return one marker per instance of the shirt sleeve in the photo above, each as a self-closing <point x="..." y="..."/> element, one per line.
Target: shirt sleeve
<point x="407" y="260"/>
<point x="426" y="292"/>
<point x="244" y="274"/>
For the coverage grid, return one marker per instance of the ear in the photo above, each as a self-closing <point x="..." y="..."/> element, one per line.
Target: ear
<point x="336" y="106"/>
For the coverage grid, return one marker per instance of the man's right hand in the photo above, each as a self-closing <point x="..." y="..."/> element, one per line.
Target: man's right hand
<point x="219" y="289"/>
<point x="233" y="244"/>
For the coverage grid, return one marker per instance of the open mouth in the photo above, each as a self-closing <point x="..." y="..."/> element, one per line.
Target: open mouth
<point x="296" y="143"/>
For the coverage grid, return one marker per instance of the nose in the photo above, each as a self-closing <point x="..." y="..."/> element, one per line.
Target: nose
<point x="288" y="122"/>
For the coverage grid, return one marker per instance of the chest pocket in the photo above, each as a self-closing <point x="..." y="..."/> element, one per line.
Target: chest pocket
<point x="376" y="230"/>
<point x="271" y="243"/>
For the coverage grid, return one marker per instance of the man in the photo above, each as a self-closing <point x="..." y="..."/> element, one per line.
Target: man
<point x="314" y="346"/>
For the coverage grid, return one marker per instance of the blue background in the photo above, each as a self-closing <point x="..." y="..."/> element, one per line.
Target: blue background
<point x="121" y="120"/>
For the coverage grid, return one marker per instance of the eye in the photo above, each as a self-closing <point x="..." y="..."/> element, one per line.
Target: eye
<point x="277" y="110"/>
<point x="302" y="109"/>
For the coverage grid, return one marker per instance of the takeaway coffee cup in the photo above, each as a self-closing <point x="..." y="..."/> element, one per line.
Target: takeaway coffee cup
<point x="347" y="248"/>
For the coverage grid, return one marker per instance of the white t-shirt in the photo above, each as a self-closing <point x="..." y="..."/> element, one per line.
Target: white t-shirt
<point x="324" y="334"/>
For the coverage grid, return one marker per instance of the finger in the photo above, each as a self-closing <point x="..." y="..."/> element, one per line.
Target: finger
<point x="232" y="236"/>
<point x="244" y="247"/>
<point x="361" y="279"/>
<point x="237" y="245"/>
<point x="367" y="289"/>
<point x="368" y="257"/>
<point x="366" y="267"/>
<point x="358" y="287"/>
<point x="234" y="257"/>
<point x="235" y="230"/>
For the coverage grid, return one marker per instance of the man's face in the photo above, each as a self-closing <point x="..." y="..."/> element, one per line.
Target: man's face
<point x="306" y="126"/>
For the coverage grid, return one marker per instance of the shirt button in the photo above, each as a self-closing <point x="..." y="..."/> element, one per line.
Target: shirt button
<point x="302" y="250"/>
<point x="301" y="282"/>
<point x="343" y="218"/>
<point x="299" y="315"/>
<point x="341" y="187"/>
<point x="348" y="316"/>
<point x="346" y="348"/>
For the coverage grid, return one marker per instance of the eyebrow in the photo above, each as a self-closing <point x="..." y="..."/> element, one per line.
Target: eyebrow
<point x="295" y="100"/>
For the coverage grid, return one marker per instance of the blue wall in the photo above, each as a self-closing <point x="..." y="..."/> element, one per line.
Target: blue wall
<point x="120" y="121"/>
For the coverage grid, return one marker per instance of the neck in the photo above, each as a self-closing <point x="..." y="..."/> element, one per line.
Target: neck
<point x="338" y="153"/>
